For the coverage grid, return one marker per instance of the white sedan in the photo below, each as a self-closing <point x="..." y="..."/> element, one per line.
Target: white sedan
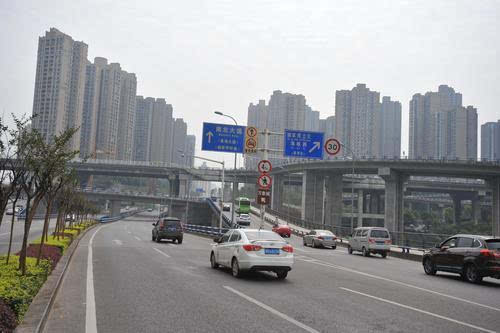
<point x="244" y="220"/>
<point x="252" y="250"/>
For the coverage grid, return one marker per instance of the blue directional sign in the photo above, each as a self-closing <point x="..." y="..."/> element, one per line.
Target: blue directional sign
<point x="303" y="144"/>
<point x="222" y="137"/>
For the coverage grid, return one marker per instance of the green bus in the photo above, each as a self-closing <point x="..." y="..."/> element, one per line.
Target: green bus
<point x="242" y="205"/>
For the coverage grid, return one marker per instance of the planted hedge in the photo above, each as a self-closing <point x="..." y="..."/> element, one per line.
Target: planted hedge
<point x="17" y="291"/>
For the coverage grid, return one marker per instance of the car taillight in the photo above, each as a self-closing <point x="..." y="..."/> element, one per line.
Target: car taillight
<point x="252" y="247"/>
<point x="489" y="253"/>
<point x="287" y="248"/>
<point x="388" y="241"/>
<point x="320" y="237"/>
<point x="371" y="240"/>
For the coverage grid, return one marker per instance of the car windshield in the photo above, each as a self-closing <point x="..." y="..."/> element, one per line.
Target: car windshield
<point x="379" y="234"/>
<point x="262" y="235"/>
<point x="493" y="244"/>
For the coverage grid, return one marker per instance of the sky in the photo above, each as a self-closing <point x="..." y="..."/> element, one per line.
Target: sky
<point x="211" y="55"/>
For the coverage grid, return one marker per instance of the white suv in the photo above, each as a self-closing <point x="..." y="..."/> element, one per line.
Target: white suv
<point x="369" y="240"/>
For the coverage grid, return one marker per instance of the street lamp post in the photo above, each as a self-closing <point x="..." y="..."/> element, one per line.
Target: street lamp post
<point x="235" y="157"/>
<point x="353" y="157"/>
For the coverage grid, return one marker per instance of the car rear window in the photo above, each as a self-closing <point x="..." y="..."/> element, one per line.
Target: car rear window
<point x="262" y="235"/>
<point x="244" y="216"/>
<point x="325" y="232"/>
<point x="493" y="244"/>
<point x="171" y="223"/>
<point x="379" y="234"/>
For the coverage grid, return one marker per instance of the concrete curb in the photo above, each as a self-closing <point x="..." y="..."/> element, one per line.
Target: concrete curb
<point x="39" y="309"/>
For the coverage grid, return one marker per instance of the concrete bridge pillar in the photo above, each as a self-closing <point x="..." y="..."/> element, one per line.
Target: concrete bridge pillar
<point x="277" y="193"/>
<point x="361" y="207"/>
<point x="174" y="186"/>
<point x="115" y="208"/>
<point x="394" y="182"/>
<point x="312" y="196"/>
<point x="457" y="208"/>
<point x="183" y="188"/>
<point x="495" y="203"/>
<point x="476" y="209"/>
<point x="334" y="200"/>
<point x="236" y="189"/>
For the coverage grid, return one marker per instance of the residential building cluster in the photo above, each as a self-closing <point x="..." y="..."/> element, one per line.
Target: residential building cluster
<point x="440" y="127"/>
<point x="100" y="99"/>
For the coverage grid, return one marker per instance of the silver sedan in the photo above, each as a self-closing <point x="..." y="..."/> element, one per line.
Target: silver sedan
<point x="323" y="238"/>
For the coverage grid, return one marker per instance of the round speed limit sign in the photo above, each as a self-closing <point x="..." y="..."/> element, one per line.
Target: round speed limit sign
<point x="332" y="146"/>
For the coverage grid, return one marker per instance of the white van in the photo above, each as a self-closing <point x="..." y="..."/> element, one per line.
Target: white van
<point x="369" y="240"/>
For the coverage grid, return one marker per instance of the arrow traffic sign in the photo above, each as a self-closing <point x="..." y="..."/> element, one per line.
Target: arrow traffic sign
<point x="264" y="182"/>
<point x="222" y="137"/>
<point x="264" y="166"/>
<point x="303" y="144"/>
<point x="332" y="146"/>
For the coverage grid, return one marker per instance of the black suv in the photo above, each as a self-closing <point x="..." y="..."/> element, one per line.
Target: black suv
<point x="168" y="228"/>
<point x="471" y="256"/>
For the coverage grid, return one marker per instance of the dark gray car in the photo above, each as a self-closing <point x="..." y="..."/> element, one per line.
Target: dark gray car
<point x="168" y="228"/>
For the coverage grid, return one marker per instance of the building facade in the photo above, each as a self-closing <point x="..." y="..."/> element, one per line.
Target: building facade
<point x="490" y="141"/>
<point x="388" y="129"/>
<point x="143" y="128"/>
<point x="59" y="85"/>
<point x="126" y="117"/>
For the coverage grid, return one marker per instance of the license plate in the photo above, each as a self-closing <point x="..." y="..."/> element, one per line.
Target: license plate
<point x="380" y="242"/>
<point x="328" y="238"/>
<point x="172" y="229"/>
<point x="271" y="251"/>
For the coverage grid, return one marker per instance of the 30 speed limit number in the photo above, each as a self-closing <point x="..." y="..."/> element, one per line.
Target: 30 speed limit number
<point x="332" y="146"/>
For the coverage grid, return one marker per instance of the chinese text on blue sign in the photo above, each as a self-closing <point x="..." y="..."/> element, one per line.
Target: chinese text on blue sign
<point x="303" y="144"/>
<point x="221" y="137"/>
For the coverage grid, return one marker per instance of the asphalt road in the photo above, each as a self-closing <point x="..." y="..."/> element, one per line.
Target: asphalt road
<point x="142" y="286"/>
<point x="17" y="239"/>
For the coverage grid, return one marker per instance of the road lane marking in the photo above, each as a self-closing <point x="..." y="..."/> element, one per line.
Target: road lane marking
<point x="418" y="310"/>
<point x="159" y="251"/>
<point x="299" y="249"/>
<point x="137" y="238"/>
<point x="321" y="263"/>
<point x="117" y="242"/>
<point x="90" y="313"/>
<point x="6" y="233"/>
<point x="129" y="232"/>
<point x="272" y="310"/>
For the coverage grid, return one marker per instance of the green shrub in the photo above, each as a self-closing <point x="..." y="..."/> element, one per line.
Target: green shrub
<point x="18" y="291"/>
<point x="61" y="243"/>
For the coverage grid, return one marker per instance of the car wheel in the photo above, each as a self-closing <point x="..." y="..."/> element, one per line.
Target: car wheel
<point x="235" y="268"/>
<point x="384" y="254"/>
<point x="429" y="267"/>
<point x="153" y="237"/>
<point x="158" y="239"/>
<point x="179" y="240"/>
<point x="282" y="275"/>
<point x="365" y="252"/>
<point x="349" y="249"/>
<point x="472" y="274"/>
<point x="334" y="247"/>
<point x="213" y="263"/>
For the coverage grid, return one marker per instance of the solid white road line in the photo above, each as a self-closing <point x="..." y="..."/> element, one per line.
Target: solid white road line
<point x="90" y="314"/>
<point x="421" y="311"/>
<point x="137" y="238"/>
<point x="272" y="310"/>
<point x="159" y="251"/>
<point x="4" y="234"/>
<point x="326" y="264"/>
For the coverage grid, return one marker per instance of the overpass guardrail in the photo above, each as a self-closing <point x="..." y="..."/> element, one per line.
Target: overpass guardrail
<point x="404" y="240"/>
<point x="216" y="209"/>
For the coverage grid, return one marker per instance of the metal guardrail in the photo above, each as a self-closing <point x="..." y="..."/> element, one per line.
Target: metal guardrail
<point x="227" y="222"/>
<point x="106" y="219"/>
<point x="414" y="240"/>
<point x="203" y="229"/>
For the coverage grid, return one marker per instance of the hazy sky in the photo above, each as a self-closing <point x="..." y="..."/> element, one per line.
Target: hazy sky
<point x="221" y="55"/>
